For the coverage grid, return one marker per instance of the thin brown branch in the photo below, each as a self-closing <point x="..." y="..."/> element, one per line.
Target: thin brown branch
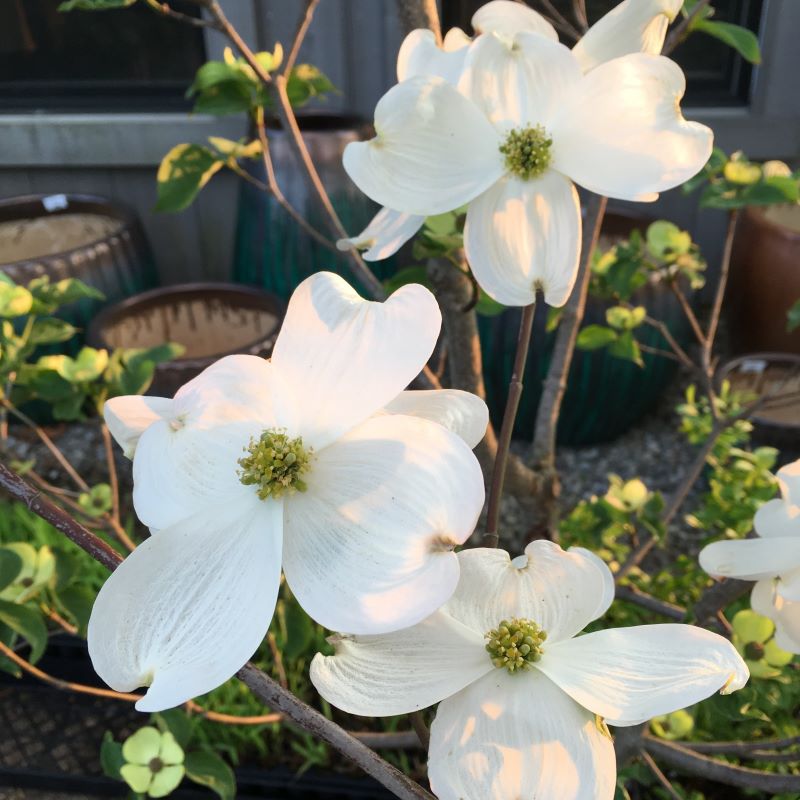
<point x="555" y="384"/>
<point x="275" y="190"/>
<point x="53" y="615"/>
<point x="299" y="35"/>
<point x="689" y="314"/>
<point x="420" y="729"/>
<point x="49" y="444"/>
<point x="80" y="688"/>
<point x="693" y="763"/>
<point x="679" y="352"/>
<point x="559" y="20"/>
<point x="660" y="776"/>
<point x="58" y="518"/>
<point x="681" y="30"/>
<point x="640" y="598"/>
<point x="273" y="695"/>
<point x="112" y="471"/>
<point x="743" y="749"/>
<point x="719" y="296"/>
<point x="163" y="9"/>
<point x="717" y="597"/>
<point x="277" y="659"/>
<point x="415" y="14"/>
<point x="657" y="351"/>
<point x="579" y="12"/>
<point x="492" y="535"/>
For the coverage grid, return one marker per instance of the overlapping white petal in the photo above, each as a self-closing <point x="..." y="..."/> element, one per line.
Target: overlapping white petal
<point x="633" y="26"/>
<point x="397" y="673"/>
<point x="463" y="413"/>
<point x="563" y="591"/>
<point x="751" y="559"/>
<point x="420" y="55"/>
<point x="433" y="152"/>
<point x="128" y="417"/>
<point x="190" y="605"/>
<point x="386" y="233"/>
<point x="369" y="545"/>
<point x="620" y="132"/>
<point x="507" y="18"/>
<point x="343" y="358"/>
<point x="765" y="599"/>
<point x="518" y="736"/>
<point x="520" y="86"/>
<point x="628" y="675"/>
<point x="781" y="516"/>
<point x="521" y="235"/>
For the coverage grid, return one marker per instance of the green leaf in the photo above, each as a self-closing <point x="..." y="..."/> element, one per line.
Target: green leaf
<point x="793" y="317"/>
<point x="77" y="601"/>
<point x="415" y="274"/>
<point x="306" y="82"/>
<point x="208" y="769"/>
<point x="48" y="297"/>
<point x="554" y="315"/>
<point x="87" y="366"/>
<point x="14" y="300"/>
<point x="70" y="409"/>
<point x="183" y="172"/>
<point x="744" y="41"/>
<point x="28" y="623"/>
<point x="593" y="337"/>
<point x="94" y="5"/>
<point x="770" y="191"/>
<point x="44" y="382"/>
<point x="6" y="665"/>
<point x="666" y="240"/>
<point x="488" y="306"/>
<point x="51" y="330"/>
<point x="177" y="722"/>
<point x="299" y="631"/>
<point x="627" y="347"/>
<point x="10" y="567"/>
<point x="111" y="758"/>
<point x="97" y="501"/>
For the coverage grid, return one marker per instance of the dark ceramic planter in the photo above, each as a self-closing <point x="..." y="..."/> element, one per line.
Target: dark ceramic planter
<point x="764" y="281"/>
<point x="210" y="319"/>
<point x="117" y="261"/>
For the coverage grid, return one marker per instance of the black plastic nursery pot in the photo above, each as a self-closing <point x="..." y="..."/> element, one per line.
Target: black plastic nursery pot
<point x="95" y="239"/>
<point x="50" y="742"/>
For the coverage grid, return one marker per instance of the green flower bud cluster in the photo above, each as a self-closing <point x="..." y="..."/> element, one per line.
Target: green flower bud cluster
<point x="527" y="151"/>
<point x="275" y="463"/>
<point x="515" y="644"/>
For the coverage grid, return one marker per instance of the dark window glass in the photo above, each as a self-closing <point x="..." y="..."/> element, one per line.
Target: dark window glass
<point x="119" y="60"/>
<point x="716" y="75"/>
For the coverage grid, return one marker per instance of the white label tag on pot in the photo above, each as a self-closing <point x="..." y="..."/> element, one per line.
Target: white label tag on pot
<point x="55" y="201"/>
<point x="757" y="365"/>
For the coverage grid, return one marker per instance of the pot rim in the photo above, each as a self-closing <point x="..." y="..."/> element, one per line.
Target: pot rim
<point x="122" y="212"/>
<point x="758" y="215"/>
<point x="730" y="366"/>
<point x="112" y="313"/>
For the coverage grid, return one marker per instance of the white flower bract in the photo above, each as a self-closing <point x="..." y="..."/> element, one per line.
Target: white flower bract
<point x="388" y="486"/>
<point x="536" y="732"/>
<point x="608" y="114"/>
<point x="772" y="559"/>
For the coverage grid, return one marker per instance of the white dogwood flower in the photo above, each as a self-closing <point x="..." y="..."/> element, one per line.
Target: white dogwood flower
<point x="316" y="460"/>
<point x="522" y="125"/>
<point x="772" y="559"/>
<point x="521" y="697"/>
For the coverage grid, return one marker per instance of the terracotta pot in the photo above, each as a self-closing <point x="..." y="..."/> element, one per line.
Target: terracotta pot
<point x="764" y="280"/>
<point x="210" y="319"/>
<point x="777" y="421"/>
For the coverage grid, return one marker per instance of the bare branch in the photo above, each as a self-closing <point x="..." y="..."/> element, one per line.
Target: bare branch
<point x="681" y="30"/>
<point x="415" y="14"/>
<point x="300" y="35"/>
<point x="640" y="598"/>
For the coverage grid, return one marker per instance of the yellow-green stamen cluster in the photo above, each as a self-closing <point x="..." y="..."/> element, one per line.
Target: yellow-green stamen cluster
<point x="515" y="644"/>
<point x="275" y="463"/>
<point x="527" y="151"/>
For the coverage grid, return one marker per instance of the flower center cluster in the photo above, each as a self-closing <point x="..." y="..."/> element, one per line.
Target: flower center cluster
<point x="275" y="463"/>
<point x="515" y="644"/>
<point x="527" y="151"/>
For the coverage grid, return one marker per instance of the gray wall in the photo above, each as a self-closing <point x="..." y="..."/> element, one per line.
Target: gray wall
<point x="355" y="42"/>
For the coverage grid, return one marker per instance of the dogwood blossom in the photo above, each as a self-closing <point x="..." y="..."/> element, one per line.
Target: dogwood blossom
<point x="521" y="697"/>
<point x="772" y="559"/>
<point x="509" y="122"/>
<point x="316" y="460"/>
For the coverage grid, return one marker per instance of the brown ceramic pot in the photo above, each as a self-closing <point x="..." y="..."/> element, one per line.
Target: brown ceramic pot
<point x="211" y="320"/>
<point x="764" y="280"/>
